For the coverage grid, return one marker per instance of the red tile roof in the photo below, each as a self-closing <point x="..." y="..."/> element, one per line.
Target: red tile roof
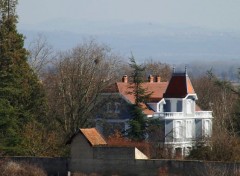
<point x="125" y="89"/>
<point x="179" y="86"/>
<point x="93" y="136"/>
<point x="156" y="88"/>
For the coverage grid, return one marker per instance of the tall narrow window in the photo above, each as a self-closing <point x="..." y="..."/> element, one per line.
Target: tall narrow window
<point x="189" y="106"/>
<point x="207" y="128"/>
<point x="189" y="128"/>
<point x="160" y="107"/>
<point x="179" y="106"/>
<point x="117" y="107"/>
<point x="178" y="129"/>
<point x="109" y="107"/>
<point x="167" y="106"/>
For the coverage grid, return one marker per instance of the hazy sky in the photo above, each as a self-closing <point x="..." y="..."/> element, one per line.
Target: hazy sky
<point x="212" y="14"/>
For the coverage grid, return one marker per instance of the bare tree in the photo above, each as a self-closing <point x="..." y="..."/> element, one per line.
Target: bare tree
<point x="74" y="85"/>
<point x="158" y="69"/>
<point x="40" y="53"/>
<point x="224" y="144"/>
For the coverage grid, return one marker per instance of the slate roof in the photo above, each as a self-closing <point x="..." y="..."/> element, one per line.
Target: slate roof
<point x="179" y="86"/>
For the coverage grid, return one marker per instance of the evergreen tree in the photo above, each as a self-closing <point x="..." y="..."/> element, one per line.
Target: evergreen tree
<point x="137" y="130"/>
<point x="21" y="96"/>
<point x="236" y="117"/>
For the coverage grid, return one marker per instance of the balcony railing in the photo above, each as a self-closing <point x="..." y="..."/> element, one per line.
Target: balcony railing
<point x="180" y="115"/>
<point x="168" y="115"/>
<point x="201" y="114"/>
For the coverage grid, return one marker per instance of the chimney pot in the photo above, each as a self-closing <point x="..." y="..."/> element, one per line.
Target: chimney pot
<point x="150" y="78"/>
<point x="125" y="79"/>
<point x="158" y="79"/>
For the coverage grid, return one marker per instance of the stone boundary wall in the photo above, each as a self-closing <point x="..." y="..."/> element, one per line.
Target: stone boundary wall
<point x="153" y="167"/>
<point x="107" y="153"/>
<point x="123" y="167"/>
<point x="57" y="166"/>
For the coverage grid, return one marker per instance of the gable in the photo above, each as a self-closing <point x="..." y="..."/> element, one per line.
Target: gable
<point x="93" y="137"/>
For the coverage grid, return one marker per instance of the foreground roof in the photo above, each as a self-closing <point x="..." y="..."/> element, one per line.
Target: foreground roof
<point x="92" y="136"/>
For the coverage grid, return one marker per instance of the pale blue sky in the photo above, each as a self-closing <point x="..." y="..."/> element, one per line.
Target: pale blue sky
<point x="166" y="30"/>
<point x="212" y="14"/>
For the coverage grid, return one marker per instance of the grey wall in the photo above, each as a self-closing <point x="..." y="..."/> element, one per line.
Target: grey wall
<point x="122" y="167"/>
<point x="53" y="166"/>
<point x="114" y="152"/>
<point x="81" y="148"/>
<point x="152" y="167"/>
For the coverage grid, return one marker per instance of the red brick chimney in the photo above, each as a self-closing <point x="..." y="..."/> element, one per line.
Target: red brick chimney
<point x="150" y="78"/>
<point x="158" y="79"/>
<point x="125" y="79"/>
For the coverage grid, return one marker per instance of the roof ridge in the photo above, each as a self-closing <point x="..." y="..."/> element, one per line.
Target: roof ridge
<point x="186" y="83"/>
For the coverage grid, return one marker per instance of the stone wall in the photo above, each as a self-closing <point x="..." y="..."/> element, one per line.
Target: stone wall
<point x="114" y="153"/>
<point x="152" y="167"/>
<point x="117" y="153"/>
<point x="125" y="167"/>
<point x="53" y="166"/>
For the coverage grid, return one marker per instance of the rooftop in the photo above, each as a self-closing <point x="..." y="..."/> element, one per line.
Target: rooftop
<point x="92" y="135"/>
<point x="179" y="86"/>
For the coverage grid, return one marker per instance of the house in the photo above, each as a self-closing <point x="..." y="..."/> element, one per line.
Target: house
<point x="89" y="148"/>
<point x="113" y="112"/>
<point x="173" y="103"/>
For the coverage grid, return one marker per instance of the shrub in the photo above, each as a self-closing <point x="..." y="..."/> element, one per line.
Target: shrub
<point x="20" y="169"/>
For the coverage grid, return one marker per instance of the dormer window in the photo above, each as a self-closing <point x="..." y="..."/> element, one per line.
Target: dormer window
<point x="109" y="107"/>
<point x="117" y="107"/>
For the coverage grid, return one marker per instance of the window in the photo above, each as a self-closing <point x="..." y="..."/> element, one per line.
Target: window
<point x="189" y="106"/>
<point x="160" y="107"/>
<point x="109" y="107"/>
<point x="179" y="106"/>
<point x="189" y="128"/>
<point x="117" y="107"/>
<point x="178" y="129"/>
<point x="167" y="106"/>
<point x="207" y="128"/>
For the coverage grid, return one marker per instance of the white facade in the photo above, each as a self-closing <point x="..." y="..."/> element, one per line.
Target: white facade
<point x="184" y="126"/>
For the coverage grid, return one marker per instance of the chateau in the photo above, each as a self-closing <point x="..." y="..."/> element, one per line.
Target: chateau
<point x="173" y="103"/>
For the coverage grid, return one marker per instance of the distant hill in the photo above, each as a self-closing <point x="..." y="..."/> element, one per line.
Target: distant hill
<point x="174" y="44"/>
